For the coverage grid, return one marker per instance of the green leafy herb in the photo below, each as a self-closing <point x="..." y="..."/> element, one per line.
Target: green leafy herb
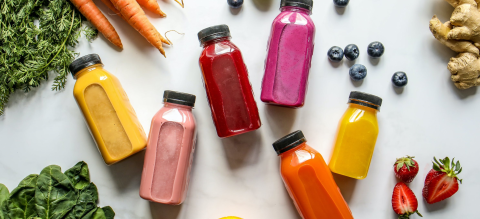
<point x="54" y="195"/>
<point x="21" y="203"/>
<point x="87" y="201"/>
<point x="29" y="52"/>
<point x="109" y="213"/>
<point x="4" y="193"/>
<point x="79" y="175"/>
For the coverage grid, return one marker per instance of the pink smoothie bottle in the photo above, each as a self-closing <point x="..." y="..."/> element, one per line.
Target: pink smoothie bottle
<point x="290" y="50"/>
<point x="170" y="147"/>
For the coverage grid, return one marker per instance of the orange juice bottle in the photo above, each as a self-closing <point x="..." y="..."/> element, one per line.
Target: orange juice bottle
<point x="107" y="110"/>
<point x="356" y="137"/>
<point x="308" y="180"/>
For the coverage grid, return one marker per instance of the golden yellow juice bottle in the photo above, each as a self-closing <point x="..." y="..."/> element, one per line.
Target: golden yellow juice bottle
<point x="107" y="110"/>
<point x="356" y="137"/>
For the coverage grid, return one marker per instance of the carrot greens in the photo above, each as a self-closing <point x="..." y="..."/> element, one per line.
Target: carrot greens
<point x="37" y="37"/>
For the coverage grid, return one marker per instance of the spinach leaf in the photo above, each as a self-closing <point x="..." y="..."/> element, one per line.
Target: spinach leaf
<point x="90" y="214"/>
<point x="55" y="195"/>
<point x="21" y="203"/>
<point x="79" y="175"/>
<point x="101" y="213"/>
<point x="109" y="213"/>
<point x="86" y="202"/>
<point x="4" y="193"/>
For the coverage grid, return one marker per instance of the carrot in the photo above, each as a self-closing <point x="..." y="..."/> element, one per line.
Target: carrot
<point x="95" y="16"/>
<point x="110" y="5"/>
<point x="181" y="4"/>
<point x="138" y="20"/>
<point x="152" y="6"/>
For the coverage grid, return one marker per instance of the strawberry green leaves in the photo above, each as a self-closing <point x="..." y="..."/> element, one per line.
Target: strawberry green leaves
<point x="452" y="169"/>
<point x="407" y="161"/>
<point x="54" y="195"/>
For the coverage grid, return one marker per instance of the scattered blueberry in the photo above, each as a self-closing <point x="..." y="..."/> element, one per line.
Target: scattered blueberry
<point x="335" y="54"/>
<point x="235" y="3"/>
<point x="358" y="72"/>
<point x="351" y="52"/>
<point x="375" y="49"/>
<point x="399" y="79"/>
<point x="341" y="3"/>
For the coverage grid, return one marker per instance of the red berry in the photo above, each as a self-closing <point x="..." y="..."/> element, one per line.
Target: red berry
<point x="406" y="168"/>
<point x="431" y="174"/>
<point x="442" y="181"/>
<point x="404" y="202"/>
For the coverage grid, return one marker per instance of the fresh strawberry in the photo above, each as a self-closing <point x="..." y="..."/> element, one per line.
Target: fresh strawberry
<point x="406" y="168"/>
<point x="442" y="181"/>
<point x="404" y="202"/>
<point x="430" y="175"/>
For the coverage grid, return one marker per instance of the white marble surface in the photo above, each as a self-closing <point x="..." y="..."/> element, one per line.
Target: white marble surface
<point x="240" y="175"/>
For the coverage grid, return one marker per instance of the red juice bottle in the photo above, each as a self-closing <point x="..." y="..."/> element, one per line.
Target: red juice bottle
<point x="225" y="76"/>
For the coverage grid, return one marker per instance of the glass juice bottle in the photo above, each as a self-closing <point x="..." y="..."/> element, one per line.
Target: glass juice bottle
<point x="308" y="180"/>
<point x="107" y="110"/>
<point x="225" y="75"/>
<point x="290" y="50"/>
<point x="356" y="136"/>
<point x="170" y="148"/>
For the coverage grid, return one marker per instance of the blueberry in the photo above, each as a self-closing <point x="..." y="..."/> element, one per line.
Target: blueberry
<point x="375" y="49"/>
<point x="335" y="54"/>
<point x="399" y="79"/>
<point x="358" y="72"/>
<point x="235" y="3"/>
<point x="341" y="3"/>
<point x="351" y="52"/>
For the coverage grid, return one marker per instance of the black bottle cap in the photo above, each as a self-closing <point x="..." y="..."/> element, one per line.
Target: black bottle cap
<point x="306" y="4"/>
<point x="83" y="62"/>
<point x="365" y="99"/>
<point x="289" y="141"/>
<point x="170" y="96"/>
<point x="213" y="32"/>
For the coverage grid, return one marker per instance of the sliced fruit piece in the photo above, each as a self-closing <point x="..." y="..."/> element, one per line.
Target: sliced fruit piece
<point x="404" y="202"/>
<point x="442" y="181"/>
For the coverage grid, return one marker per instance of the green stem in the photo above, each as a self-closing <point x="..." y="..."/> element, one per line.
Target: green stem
<point x="65" y="41"/>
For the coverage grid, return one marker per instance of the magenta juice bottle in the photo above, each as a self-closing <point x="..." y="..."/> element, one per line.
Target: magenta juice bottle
<point x="290" y="50"/>
<point x="170" y="147"/>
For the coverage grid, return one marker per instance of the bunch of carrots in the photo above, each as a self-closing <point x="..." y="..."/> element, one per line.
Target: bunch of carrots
<point x="128" y="10"/>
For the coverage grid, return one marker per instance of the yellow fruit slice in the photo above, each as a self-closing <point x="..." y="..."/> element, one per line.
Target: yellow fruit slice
<point x="230" y="217"/>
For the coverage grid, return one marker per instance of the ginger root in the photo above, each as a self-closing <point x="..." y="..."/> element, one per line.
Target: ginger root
<point x="461" y="34"/>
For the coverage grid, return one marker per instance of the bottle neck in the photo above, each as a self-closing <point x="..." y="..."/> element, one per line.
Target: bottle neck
<point x="175" y="105"/>
<point x="217" y="40"/>
<point x="87" y="70"/>
<point x="362" y="107"/>
<point x="292" y="150"/>
<point x="296" y="9"/>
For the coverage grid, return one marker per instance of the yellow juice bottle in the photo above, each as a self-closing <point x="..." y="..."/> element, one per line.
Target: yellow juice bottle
<point x="107" y="110"/>
<point x="356" y="136"/>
